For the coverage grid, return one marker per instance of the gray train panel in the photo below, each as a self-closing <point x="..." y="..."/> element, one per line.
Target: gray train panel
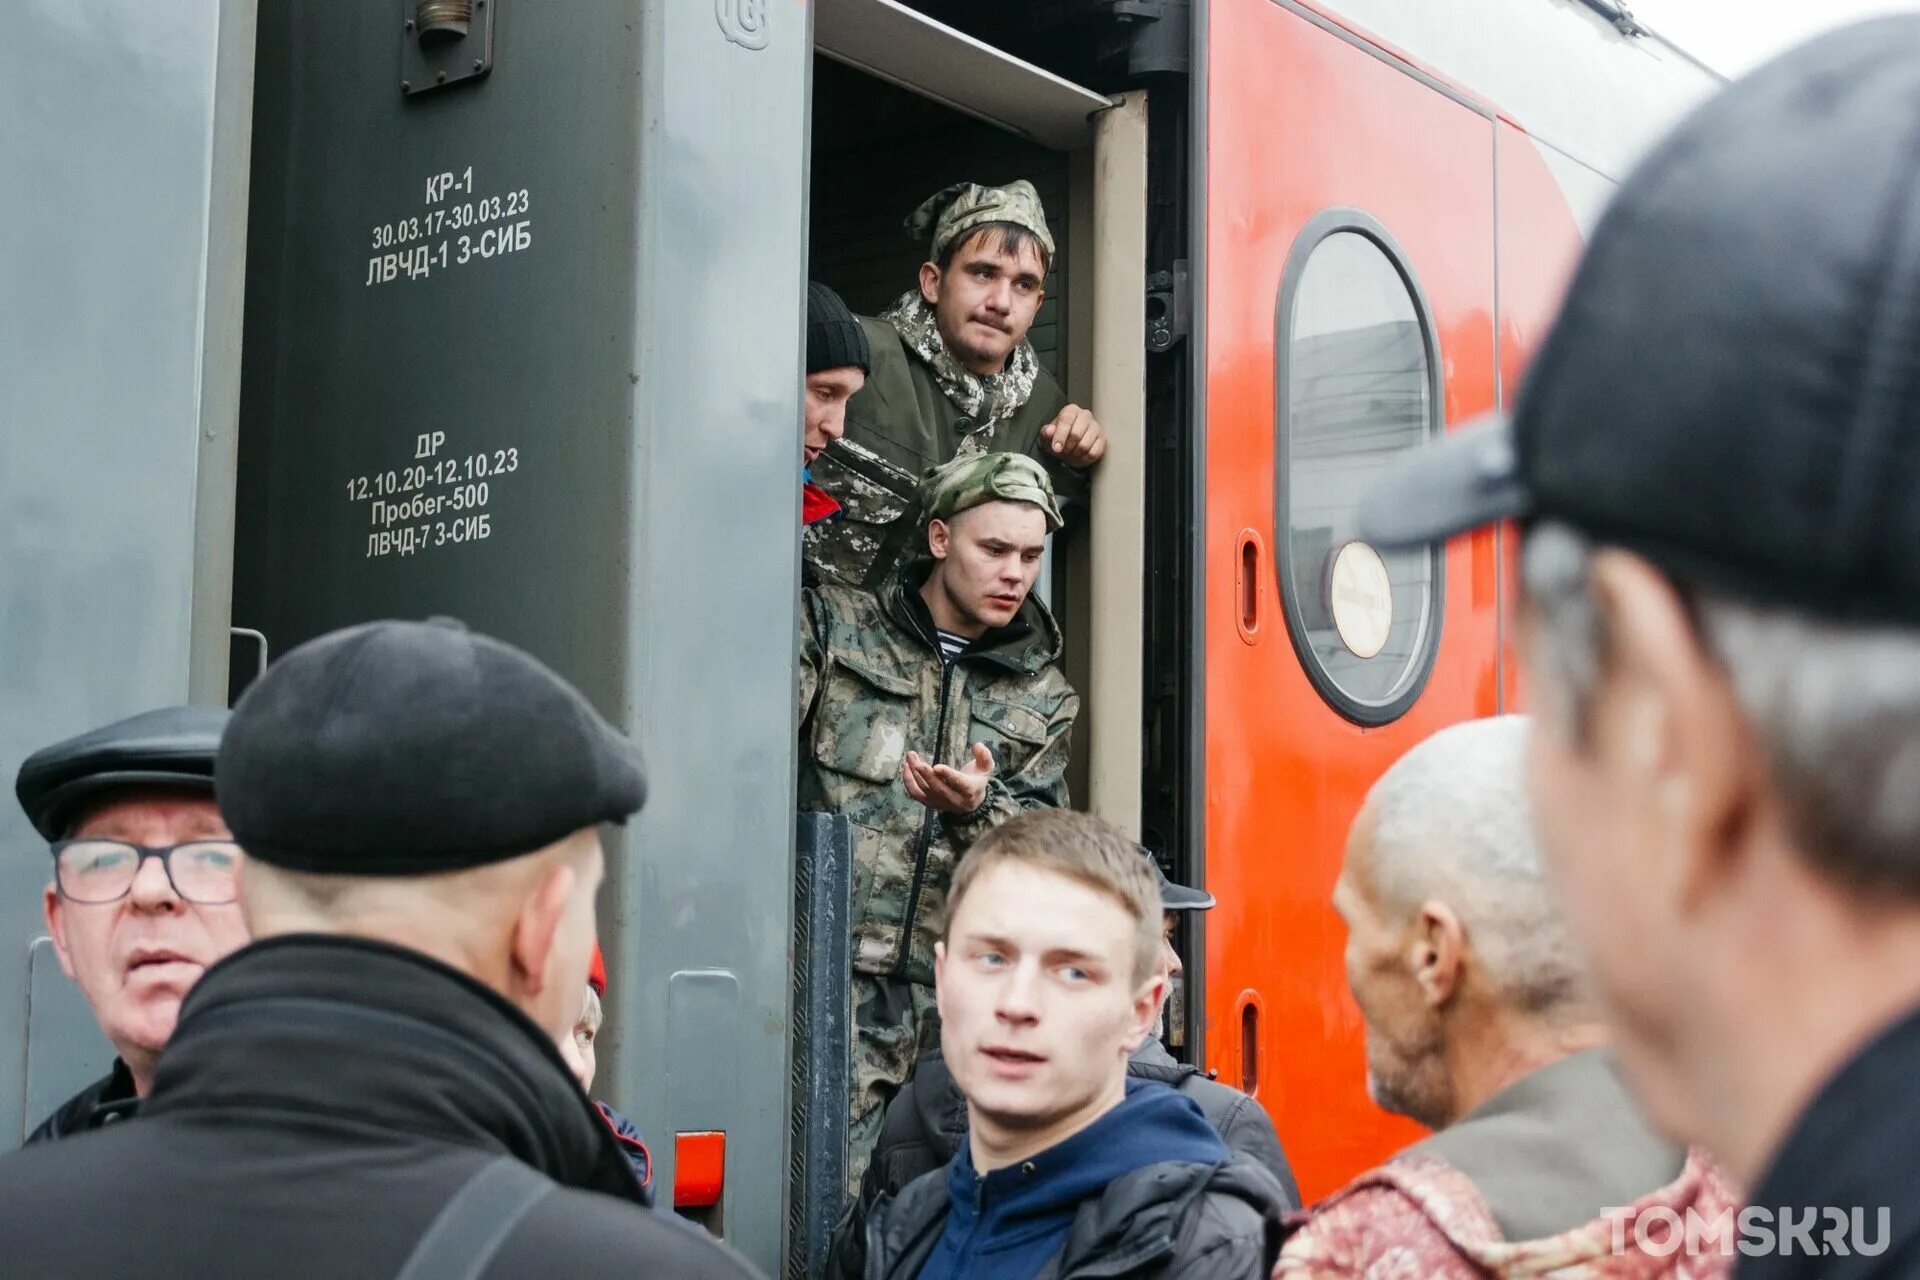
<point x="526" y="350"/>
<point x="123" y="140"/>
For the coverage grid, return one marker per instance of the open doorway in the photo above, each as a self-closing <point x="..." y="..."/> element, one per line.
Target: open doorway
<point x="885" y="137"/>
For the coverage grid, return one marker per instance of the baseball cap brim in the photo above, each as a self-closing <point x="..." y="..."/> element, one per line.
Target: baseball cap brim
<point x="1180" y="897"/>
<point x="1469" y="479"/>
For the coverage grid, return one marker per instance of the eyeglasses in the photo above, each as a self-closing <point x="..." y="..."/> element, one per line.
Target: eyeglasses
<point x="94" y="871"/>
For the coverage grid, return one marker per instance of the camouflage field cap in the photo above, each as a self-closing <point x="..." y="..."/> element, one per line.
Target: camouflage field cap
<point x="988" y="477"/>
<point x="953" y="211"/>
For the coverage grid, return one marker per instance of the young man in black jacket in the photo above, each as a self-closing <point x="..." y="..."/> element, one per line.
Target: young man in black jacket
<point x="1049" y="976"/>
<point x="926" y="1123"/>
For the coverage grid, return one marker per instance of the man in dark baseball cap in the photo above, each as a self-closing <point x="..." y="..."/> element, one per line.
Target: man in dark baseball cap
<point x="144" y="891"/>
<point x="1716" y="460"/>
<point x="375" y="1086"/>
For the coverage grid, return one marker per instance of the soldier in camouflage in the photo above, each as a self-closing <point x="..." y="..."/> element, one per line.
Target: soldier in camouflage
<point x="931" y="711"/>
<point x="952" y="376"/>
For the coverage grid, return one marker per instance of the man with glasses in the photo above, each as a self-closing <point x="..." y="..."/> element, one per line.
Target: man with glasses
<point x="144" y="890"/>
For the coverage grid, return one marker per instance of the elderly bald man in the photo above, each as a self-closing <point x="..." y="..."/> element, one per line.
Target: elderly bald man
<point x="1480" y="1025"/>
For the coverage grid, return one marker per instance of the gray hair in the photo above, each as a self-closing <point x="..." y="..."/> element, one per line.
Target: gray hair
<point x="1453" y="823"/>
<point x="1834" y="706"/>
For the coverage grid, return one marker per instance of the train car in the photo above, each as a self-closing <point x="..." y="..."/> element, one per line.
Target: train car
<point x="488" y="308"/>
<point x="1393" y="197"/>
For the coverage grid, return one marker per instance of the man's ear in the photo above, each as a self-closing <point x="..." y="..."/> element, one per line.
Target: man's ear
<point x="930" y="282"/>
<point x="1671" y="726"/>
<point x="538" y="924"/>
<point x="1147" y="999"/>
<point x="52" y="907"/>
<point x="939" y="975"/>
<point x="1437" y="952"/>
<point x="939" y="538"/>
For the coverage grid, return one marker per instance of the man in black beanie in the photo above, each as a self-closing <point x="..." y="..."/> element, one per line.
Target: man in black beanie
<point x="838" y="361"/>
<point x="374" y="1087"/>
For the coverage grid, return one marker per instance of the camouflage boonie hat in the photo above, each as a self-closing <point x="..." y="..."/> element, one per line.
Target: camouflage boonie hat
<point x="953" y="211"/>
<point x="988" y="477"/>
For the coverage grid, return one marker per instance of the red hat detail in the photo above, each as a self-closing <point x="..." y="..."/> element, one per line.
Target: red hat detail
<point x="597" y="972"/>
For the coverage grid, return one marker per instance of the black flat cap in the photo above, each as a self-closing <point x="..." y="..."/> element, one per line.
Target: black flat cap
<point x="1732" y="388"/>
<point x="170" y="747"/>
<point x="407" y="748"/>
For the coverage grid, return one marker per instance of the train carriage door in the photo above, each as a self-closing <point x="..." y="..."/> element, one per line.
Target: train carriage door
<point x="1349" y="295"/>
<point x="523" y="346"/>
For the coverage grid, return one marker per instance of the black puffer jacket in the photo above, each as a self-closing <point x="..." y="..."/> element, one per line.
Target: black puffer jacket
<point x="1171" y="1221"/>
<point x="321" y="1101"/>
<point x="927" y="1120"/>
<point x="111" y="1097"/>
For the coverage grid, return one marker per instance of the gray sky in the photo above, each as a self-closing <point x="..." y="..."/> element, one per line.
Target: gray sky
<point x="1733" y="36"/>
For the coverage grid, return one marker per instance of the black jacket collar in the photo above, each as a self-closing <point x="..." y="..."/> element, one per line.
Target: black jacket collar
<point x="372" y="1034"/>
<point x="1854" y="1150"/>
<point x="941" y="1109"/>
<point x="111" y="1097"/>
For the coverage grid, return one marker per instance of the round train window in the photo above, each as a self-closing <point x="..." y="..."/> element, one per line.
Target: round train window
<point x="1358" y="390"/>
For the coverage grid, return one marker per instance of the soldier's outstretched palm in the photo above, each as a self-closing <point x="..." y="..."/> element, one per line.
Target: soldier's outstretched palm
<point x="946" y="789"/>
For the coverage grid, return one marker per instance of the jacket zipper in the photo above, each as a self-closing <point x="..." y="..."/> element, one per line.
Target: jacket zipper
<point x="926" y="834"/>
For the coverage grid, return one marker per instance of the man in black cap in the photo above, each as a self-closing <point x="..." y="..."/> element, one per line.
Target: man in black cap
<point x="374" y="1086"/>
<point x="1716" y="460"/>
<point x="143" y="896"/>
<point x="838" y="362"/>
<point x="927" y="1120"/>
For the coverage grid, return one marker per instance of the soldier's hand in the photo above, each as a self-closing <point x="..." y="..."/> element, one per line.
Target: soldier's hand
<point x="1076" y="437"/>
<point x="947" y="789"/>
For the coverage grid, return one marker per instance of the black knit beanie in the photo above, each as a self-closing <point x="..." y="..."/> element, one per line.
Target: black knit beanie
<point x="834" y="338"/>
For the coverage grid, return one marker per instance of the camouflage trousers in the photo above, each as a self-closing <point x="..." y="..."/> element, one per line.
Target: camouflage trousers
<point x="894" y="1022"/>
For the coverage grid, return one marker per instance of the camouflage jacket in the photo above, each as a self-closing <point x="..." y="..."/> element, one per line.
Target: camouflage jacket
<point x="900" y="424"/>
<point x="872" y="688"/>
